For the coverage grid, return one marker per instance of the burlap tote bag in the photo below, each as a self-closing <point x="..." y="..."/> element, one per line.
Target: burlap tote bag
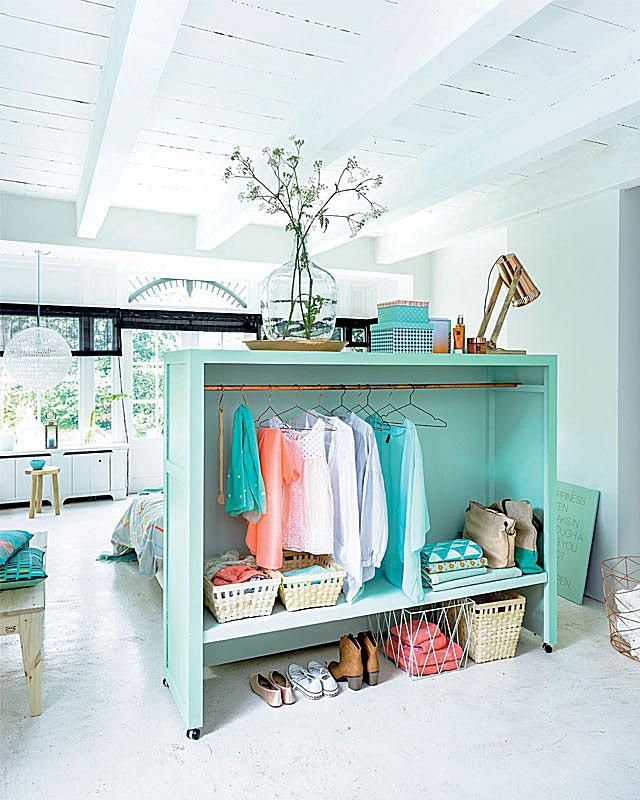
<point x="494" y="532"/>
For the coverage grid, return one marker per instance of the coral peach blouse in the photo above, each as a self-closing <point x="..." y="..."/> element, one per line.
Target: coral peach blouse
<point x="279" y="464"/>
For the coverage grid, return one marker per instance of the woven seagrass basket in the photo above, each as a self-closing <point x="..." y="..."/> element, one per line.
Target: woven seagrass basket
<point x="241" y="600"/>
<point x="297" y="592"/>
<point x="496" y="620"/>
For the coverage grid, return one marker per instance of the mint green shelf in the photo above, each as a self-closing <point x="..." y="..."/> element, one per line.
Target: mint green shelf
<point x="500" y="442"/>
<point x="378" y="596"/>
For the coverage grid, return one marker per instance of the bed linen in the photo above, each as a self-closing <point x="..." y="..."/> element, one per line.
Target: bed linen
<point x="142" y="527"/>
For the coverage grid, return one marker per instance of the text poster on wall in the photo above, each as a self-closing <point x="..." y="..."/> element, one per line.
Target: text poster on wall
<point x="577" y="509"/>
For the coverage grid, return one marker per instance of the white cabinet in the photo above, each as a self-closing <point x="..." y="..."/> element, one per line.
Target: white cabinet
<point x="84" y="472"/>
<point x="7" y="480"/>
<point x="90" y="472"/>
<point x="15" y="485"/>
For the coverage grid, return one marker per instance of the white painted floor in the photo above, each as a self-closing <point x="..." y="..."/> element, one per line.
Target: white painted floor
<point x="559" y="726"/>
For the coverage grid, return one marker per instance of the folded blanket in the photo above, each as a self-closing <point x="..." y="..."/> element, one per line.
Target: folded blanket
<point x="451" y="577"/>
<point x="454" y="566"/>
<point x="425" y="654"/>
<point x="628" y="619"/>
<point x="216" y="563"/>
<point x="418" y="662"/>
<point x="452" y="550"/>
<point x="237" y="573"/>
<point x="418" y="633"/>
<point x="306" y="572"/>
<point x="487" y="577"/>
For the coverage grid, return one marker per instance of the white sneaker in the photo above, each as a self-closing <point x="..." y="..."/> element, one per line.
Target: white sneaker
<point x="328" y="682"/>
<point x="303" y="681"/>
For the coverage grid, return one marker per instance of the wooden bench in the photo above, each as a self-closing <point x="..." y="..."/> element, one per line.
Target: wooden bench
<point x="22" y="613"/>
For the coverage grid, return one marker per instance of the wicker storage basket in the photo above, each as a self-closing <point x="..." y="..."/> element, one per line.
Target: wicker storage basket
<point x="319" y="590"/>
<point x="241" y="600"/>
<point x="496" y="620"/>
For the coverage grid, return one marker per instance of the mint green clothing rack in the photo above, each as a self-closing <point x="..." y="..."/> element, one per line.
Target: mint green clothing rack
<point x="500" y="442"/>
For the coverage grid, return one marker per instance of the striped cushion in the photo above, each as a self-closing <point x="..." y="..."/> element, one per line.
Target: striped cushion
<point x="25" y="568"/>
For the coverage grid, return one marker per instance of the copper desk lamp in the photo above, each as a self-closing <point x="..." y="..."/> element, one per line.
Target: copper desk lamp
<point x="521" y="291"/>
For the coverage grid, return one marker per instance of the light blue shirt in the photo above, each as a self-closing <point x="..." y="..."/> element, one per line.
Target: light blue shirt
<point x="407" y="511"/>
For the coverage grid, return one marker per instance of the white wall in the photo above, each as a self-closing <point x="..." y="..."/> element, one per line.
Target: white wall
<point x="458" y="277"/>
<point x="572" y="255"/>
<point x="629" y="375"/>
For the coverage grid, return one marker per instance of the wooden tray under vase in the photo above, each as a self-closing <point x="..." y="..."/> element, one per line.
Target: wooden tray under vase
<point x="307" y="345"/>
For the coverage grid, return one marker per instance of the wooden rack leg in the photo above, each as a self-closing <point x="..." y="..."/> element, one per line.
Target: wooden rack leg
<point x="40" y="480"/>
<point x="32" y="499"/>
<point x="30" y="629"/>
<point x="56" y="492"/>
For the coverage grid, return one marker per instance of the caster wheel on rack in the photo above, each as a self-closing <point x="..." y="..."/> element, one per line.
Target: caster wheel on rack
<point x="193" y="733"/>
<point x="547" y="648"/>
<point x="164" y="683"/>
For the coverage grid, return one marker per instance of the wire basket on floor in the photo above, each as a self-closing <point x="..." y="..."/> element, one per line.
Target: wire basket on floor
<point x="496" y="621"/>
<point x="427" y="640"/>
<point x="621" y="585"/>
<point x="242" y="600"/>
<point x="298" y="592"/>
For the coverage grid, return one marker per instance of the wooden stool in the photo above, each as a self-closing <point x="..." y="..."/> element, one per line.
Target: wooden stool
<point x="22" y="613"/>
<point x="37" y="479"/>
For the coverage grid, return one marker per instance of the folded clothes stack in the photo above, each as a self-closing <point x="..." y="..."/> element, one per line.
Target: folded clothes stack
<point x="229" y="568"/>
<point x="458" y="562"/>
<point x="421" y="648"/>
<point x="455" y="562"/>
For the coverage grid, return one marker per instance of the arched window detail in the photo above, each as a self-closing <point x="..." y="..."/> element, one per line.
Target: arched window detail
<point x="196" y="292"/>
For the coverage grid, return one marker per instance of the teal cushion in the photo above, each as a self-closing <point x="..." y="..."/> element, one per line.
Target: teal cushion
<point x="24" y="568"/>
<point x="10" y="541"/>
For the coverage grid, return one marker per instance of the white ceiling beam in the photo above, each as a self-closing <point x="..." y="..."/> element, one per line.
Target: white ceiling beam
<point x="142" y="38"/>
<point x="395" y="66"/>
<point x="159" y="236"/>
<point x="426" y="231"/>
<point x="598" y="93"/>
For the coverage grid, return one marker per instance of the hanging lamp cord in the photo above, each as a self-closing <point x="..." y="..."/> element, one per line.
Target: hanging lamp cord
<point x="39" y="253"/>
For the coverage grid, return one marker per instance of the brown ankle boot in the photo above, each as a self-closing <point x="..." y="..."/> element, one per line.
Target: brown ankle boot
<point x="349" y="668"/>
<point x="369" y="649"/>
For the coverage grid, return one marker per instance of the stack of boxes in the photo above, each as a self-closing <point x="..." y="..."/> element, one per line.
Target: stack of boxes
<point x="404" y="327"/>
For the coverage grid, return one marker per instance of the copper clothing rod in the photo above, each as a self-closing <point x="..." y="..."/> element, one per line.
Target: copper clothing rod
<point x="338" y="387"/>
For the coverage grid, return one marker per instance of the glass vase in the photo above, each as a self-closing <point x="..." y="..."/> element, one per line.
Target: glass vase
<point x="299" y="299"/>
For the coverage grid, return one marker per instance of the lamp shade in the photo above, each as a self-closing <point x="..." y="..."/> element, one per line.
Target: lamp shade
<point x="526" y="291"/>
<point x="37" y="358"/>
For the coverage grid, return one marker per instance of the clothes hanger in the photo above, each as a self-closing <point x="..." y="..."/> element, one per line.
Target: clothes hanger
<point x="366" y="407"/>
<point x="437" y="422"/>
<point x="342" y="404"/>
<point x="388" y="408"/>
<point x="384" y="412"/>
<point x="298" y="407"/>
<point x="262" y="420"/>
<point x="320" y="407"/>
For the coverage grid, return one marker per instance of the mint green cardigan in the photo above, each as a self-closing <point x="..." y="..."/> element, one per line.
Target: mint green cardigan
<point x="245" y="488"/>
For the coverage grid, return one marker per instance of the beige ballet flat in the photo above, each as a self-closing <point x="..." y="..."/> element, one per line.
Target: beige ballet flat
<point x="266" y="689"/>
<point x="284" y="685"/>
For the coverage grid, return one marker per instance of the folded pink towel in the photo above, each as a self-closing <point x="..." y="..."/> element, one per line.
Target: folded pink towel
<point x="418" y="632"/>
<point x="422" y="661"/>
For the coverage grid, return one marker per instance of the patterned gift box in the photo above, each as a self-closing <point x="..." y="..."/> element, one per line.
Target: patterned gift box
<point x="401" y="340"/>
<point x="403" y="314"/>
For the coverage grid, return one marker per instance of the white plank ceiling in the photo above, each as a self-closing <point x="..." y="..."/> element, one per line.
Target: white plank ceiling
<point x="240" y="71"/>
<point x="51" y="59"/>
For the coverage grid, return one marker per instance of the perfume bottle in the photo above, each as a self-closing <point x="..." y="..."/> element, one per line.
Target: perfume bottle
<point x="458" y="336"/>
